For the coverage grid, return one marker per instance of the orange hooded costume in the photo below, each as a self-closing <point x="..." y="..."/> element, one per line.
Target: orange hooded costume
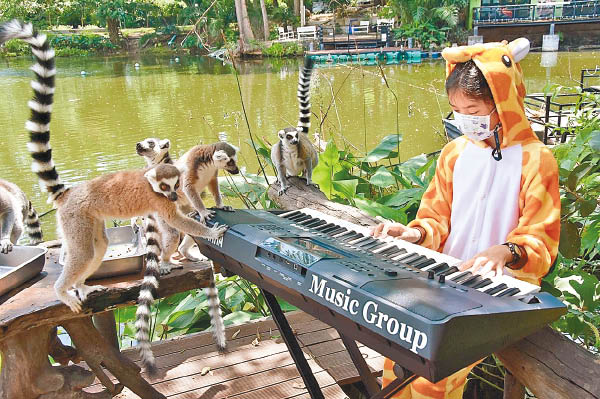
<point x="475" y="201"/>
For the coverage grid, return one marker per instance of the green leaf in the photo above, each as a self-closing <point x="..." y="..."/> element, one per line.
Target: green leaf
<point x="240" y="317"/>
<point x="182" y="319"/>
<point x="331" y="154"/>
<point x="403" y="197"/>
<point x="387" y="148"/>
<point x="346" y="187"/>
<point x="382" y="178"/>
<point x="595" y="140"/>
<point x="570" y="241"/>
<point x="577" y="173"/>
<point x="375" y="209"/>
<point x="587" y="206"/>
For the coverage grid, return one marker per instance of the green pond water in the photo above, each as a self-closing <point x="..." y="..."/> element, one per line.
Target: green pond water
<point x="100" y="115"/>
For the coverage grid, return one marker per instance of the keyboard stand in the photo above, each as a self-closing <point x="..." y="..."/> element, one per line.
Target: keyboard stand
<point x="293" y="347"/>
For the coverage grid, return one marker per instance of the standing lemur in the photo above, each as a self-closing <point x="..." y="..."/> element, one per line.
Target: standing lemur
<point x="83" y="209"/>
<point x="294" y="153"/>
<point x="16" y="213"/>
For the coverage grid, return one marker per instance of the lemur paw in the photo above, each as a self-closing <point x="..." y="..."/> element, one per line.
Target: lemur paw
<point x="187" y="253"/>
<point x="282" y="190"/>
<point x="6" y="246"/>
<point x="225" y="208"/>
<point x="71" y="300"/>
<point x="164" y="268"/>
<point x="217" y="231"/>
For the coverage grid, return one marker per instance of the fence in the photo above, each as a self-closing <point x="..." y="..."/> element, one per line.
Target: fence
<point x="541" y="12"/>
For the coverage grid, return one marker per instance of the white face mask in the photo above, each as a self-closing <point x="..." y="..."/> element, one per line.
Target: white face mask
<point x="475" y="127"/>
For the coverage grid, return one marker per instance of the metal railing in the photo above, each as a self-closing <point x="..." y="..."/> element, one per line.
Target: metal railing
<point x="542" y="12"/>
<point x="329" y="34"/>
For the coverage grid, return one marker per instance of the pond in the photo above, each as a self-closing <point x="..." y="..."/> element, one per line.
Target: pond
<point x="103" y="106"/>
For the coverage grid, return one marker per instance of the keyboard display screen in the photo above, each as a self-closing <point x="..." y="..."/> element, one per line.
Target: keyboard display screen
<point x="305" y="251"/>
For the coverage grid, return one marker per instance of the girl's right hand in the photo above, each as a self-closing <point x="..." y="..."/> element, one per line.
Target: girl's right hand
<point x="397" y="230"/>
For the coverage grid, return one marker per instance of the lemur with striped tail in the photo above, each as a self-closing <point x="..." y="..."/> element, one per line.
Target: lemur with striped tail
<point x="294" y="153"/>
<point x="16" y="214"/>
<point x="83" y="209"/>
<point x="156" y="151"/>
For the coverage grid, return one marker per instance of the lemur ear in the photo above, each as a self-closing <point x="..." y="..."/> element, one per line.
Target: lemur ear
<point x="281" y="134"/>
<point x="151" y="175"/>
<point x="519" y="48"/>
<point x="234" y="147"/>
<point x="299" y="129"/>
<point x="220" y="156"/>
<point x="166" y="143"/>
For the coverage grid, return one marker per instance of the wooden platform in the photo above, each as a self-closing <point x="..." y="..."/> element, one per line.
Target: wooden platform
<point x="256" y="363"/>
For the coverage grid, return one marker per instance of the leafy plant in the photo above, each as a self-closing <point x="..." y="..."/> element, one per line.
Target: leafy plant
<point x="280" y="50"/>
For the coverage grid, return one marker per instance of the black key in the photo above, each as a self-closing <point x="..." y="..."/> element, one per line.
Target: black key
<point x="423" y="263"/>
<point x="301" y="218"/>
<point x="308" y="221"/>
<point x="362" y="240"/>
<point x="371" y="245"/>
<point x="345" y="235"/>
<point x="445" y="272"/>
<point x="409" y="258"/>
<point x="387" y="251"/>
<point x="353" y="237"/>
<point x="298" y="216"/>
<point x="394" y="251"/>
<point x="462" y="276"/>
<point x="472" y="281"/>
<point x="496" y="289"/>
<point x="317" y="224"/>
<point x="380" y="245"/>
<point x="509" y="292"/>
<point x="325" y="227"/>
<point x="483" y="283"/>
<point x="291" y="215"/>
<point x="332" y="231"/>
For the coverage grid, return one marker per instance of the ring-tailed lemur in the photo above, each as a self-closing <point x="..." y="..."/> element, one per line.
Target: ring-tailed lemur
<point x="294" y="153"/>
<point x="156" y="151"/>
<point x="83" y="209"/>
<point x="16" y="213"/>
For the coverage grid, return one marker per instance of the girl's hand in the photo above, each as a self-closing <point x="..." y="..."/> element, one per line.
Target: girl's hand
<point x="489" y="263"/>
<point x="397" y="230"/>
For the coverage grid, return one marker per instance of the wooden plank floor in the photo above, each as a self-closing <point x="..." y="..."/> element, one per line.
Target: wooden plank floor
<point x="256" y="364"/>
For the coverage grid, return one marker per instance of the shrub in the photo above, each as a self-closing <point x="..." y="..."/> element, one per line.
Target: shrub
<point x="280" y="50"/>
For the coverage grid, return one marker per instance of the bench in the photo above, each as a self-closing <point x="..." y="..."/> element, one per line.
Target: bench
<point x="256" y="364"/>
<point x="306" y="32"/>
<point x="363" y="27"/>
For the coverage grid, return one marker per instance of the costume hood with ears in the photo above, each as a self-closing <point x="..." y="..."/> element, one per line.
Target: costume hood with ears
<point x="499" y="63"/>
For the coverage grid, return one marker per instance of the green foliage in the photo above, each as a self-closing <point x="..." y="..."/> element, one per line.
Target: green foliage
<point x="280" y="50"/>
<point x="13" y="48"/>
<point x="425" y="33"/>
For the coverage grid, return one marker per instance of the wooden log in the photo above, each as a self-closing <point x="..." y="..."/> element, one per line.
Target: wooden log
<point x="550" y="365"/>
<point x="95" y="350"/>
<point x="106" y="324"/>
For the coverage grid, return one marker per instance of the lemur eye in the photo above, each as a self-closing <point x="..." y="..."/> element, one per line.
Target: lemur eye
<point x="163" y="186"/>
<point x="177" y="186"/>
<point x="151" y="144"/>
<point x="289" y="136"/>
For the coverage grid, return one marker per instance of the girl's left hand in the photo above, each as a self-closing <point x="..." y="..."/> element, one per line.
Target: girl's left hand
<point x="488" y="263"/>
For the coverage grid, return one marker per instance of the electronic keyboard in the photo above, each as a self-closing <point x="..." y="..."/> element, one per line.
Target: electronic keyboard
<point x="405" y="301"/>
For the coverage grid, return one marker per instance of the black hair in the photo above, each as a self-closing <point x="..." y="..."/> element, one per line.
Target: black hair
<point x="469" y="79"/>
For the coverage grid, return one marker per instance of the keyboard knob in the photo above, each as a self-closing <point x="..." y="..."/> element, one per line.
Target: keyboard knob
<point x="442" y="279"/>
<point x="431" y="275"/>
<point x="391" y="272"/>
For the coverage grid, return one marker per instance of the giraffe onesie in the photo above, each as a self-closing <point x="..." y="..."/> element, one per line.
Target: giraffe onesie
<point x="475" y="202"/>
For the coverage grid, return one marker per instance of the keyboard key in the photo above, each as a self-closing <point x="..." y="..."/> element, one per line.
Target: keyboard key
<point x="472" y="281"/>
<point x="448" y="271"/>
<point x="483" y="283"/>
<point x="408" y="258"/>
<point x="316" y="224"/>
<point x="423" y="263"/>
<point x="334" y="231"/>
<point x="496" y="289"/>
<point x="289" y="215"/>
<point x="461" y="276"/>
<point x="378" y="246"/>
<point x="325" y="227"/>
<point x="509" y="292"/>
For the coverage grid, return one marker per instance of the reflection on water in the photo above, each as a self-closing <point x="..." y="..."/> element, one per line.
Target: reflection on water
<point x="103" y="106"/>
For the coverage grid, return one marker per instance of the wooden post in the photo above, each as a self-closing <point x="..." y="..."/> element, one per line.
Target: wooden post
<point x="513" y="389"/>
<point x="106" y="324"/>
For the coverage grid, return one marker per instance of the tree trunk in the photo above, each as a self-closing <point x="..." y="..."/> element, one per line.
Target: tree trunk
<point x="263" y="8"/>
<point x="243" y="24"/>
<point x="297" y="7"/>
<point x="276" y="3"/>
<point x="113" y="30"/>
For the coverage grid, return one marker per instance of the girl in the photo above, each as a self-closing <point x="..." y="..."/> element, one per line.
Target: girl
<point x="494" y="199"/>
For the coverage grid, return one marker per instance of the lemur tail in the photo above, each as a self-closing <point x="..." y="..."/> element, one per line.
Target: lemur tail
<point x="146" y="298"/>
<point x="32" y="225"/>
<point x="304" y="94"/>
<point x="38" y="124"/>
<point x="214" y="311"/>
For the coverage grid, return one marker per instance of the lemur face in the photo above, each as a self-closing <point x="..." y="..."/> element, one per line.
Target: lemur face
<point x="153" y="149"/>
<point x="225" y="157"/>
<point x="289" y="135"/>
<point x="164" y="180"/>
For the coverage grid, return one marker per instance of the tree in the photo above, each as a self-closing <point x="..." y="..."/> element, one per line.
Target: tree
<point x="263" y="8"/>
<point x="111" y="12"/>
<point x="244" y="27"/>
